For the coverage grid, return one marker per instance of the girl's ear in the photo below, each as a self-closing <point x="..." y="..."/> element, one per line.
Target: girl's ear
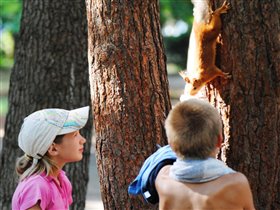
<point x="52" y="151"/>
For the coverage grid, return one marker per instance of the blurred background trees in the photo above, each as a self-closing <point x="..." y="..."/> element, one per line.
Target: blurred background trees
<point x="10" y="13"/>
<point x="175" y="17"/>
<point x="176" y="21"/>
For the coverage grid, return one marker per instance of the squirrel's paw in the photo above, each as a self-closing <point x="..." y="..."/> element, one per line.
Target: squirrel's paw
<point x="225" y="7"/>
<point x="184" y="76"/>
<point x="220" y="39"/>
<point x="226" y="75"/>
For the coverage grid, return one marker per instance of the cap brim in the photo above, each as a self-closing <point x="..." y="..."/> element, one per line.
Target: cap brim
<point x="76" y="120"/>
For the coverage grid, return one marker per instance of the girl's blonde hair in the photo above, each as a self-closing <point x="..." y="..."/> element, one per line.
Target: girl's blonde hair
<point x="25" y="167"/>
<point x="192" y="128"/>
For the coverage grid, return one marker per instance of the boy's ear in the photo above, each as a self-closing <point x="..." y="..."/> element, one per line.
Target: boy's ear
<point x="220" y="140"/>
<point x="52" y="151"/>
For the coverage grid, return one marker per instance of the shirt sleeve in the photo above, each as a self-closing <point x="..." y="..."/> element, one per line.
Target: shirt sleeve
<point x="34" y="191"/>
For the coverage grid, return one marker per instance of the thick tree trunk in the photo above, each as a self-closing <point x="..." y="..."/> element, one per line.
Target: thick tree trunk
<point x="51" y="70"/>
<point x="250" y="101"/>
<point x="129" y="89"/>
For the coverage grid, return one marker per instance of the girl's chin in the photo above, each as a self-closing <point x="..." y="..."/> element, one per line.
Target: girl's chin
<point x="78" y="158"/>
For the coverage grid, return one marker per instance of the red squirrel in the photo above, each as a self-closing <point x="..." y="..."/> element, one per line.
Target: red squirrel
<point x="205" y="35"/>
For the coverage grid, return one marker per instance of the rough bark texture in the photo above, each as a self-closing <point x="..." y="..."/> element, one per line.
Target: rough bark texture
<point x="129" y="90"/>
<point x="250" y="101"/>
<point x="51" y="70"/>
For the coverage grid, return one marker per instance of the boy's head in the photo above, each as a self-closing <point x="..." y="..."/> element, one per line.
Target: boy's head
<point x="193" y="128"/>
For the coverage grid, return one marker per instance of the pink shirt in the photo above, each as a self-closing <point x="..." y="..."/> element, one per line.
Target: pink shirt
<point x="44" y="189"/>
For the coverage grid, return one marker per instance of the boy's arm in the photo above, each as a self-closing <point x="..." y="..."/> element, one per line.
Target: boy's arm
<point x="249" y="201"/>
<point x="246" y="193"/>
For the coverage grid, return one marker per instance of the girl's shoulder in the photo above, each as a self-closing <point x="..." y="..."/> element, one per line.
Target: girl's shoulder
<point x="38" y="179"/>
<point x="32" y="189"/>
<point x="39" y="183"/>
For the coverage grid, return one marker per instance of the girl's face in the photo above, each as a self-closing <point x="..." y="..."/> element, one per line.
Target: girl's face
<point x="71" y="148"/>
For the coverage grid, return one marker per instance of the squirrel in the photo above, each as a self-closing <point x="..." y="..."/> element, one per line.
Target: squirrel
<point x="204" y="37"/>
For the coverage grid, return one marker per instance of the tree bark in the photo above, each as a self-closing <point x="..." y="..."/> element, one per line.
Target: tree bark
<point x="51" y="70"/>
<point x="250" y="101"/>
<point x="129" y="90"/>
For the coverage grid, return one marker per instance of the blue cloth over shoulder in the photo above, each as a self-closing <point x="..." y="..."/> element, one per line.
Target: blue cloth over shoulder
<point x="187" y="170"/>
<point x="144" y="183"/>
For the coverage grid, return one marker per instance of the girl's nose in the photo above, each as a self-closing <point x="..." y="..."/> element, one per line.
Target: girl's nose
<point x="83" y="140"/>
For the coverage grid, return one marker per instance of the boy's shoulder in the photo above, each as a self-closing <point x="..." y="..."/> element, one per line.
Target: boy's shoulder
<point x="237" y="179"/>
<point x="233" y="182"/>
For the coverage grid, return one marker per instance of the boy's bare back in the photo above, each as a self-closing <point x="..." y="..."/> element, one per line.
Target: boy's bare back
<point x="230" y="191"/>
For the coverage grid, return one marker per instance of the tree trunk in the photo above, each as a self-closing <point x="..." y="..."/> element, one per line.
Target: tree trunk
<point x="51" y="70"/>
<point x="250" y="101"/>
<point x="129" y="89"/>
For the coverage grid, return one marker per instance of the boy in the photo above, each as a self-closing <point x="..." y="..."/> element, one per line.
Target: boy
<point x="185" y="174"/>
<point x="197" y="180"/>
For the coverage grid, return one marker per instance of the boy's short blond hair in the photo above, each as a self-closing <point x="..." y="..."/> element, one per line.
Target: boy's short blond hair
<point x="192" y="128"/>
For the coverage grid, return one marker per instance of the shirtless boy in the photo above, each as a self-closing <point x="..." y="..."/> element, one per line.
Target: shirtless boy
<point x="197" y="180"/>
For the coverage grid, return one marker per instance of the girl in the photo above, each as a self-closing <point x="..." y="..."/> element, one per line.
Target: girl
<point x="50" y="138"/>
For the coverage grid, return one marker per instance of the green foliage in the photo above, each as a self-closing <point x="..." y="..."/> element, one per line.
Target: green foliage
<point x="6" y="49"/>
<point x="176" y="50"/>
<point x="3" y="106"/>
<point x="176" y="10"/>
<point x="10" y="13"/>
<point x="172" y="11"/>
<point x="4" y="86"/>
